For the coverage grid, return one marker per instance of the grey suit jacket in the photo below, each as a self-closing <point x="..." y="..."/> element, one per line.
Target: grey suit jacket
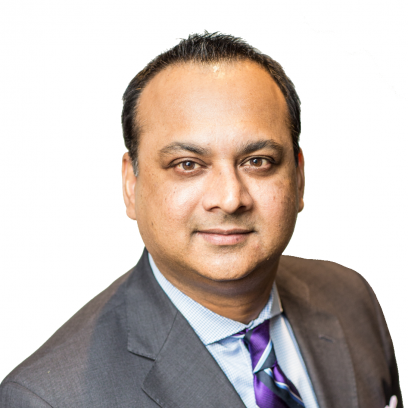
<point x="130" y="347"/>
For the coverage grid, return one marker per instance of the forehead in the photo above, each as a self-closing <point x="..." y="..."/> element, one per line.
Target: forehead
<point x="211" y="98"/>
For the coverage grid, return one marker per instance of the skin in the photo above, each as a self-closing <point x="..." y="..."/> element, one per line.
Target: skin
<point x="218" y="192"/>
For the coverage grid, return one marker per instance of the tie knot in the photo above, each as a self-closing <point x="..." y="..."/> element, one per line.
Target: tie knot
<point x="260" y="346"/>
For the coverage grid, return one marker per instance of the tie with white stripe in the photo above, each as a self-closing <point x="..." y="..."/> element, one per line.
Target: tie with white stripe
<point x="272" y="388"/>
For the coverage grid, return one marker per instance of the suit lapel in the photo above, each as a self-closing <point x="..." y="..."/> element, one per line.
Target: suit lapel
<point x="184" y="374"/>
<point x="322" y="343"/>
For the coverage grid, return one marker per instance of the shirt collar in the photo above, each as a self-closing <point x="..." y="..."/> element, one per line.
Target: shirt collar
<point x="209" y="326"/>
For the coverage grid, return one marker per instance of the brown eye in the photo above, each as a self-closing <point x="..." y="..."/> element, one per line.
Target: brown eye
<point x="256" y="162"/>
<point x="188" y="165"/>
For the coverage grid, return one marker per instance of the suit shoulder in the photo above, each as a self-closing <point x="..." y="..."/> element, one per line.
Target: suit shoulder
<point x="327" y="288"/>
<point x="68" y="347"/>
<point x="330" y="285"/>
<point x="319" y="273"/>
<point x="17" y="396"/>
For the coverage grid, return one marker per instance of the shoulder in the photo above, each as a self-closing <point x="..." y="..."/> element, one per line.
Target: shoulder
<point x="340" y="291"/>
<point x="332" y="288"/>
<point x="319" y="290"/>
<point x="310" y="269"/>
<point x="324" y="278"/>
<point x="68" y="353"/>
<point x="327" y="288"/>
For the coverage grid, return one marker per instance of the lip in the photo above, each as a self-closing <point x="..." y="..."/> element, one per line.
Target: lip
<point x="219" y="236"/>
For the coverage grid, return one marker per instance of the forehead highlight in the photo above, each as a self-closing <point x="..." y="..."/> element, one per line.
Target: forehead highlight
<point x="173" y="93"/>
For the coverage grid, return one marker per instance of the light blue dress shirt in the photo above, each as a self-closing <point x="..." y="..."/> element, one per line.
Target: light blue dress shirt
<point x="216" y="332"/>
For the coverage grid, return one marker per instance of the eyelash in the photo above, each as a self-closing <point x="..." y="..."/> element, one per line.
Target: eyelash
<point x="270" y="161"/>
<point x="180" y="165"/>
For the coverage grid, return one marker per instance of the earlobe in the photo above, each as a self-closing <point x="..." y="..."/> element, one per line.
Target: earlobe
<point x="301" y="179"/>
<point x="128" y="186"/>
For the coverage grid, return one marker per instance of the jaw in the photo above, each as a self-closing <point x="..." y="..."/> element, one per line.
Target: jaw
<point x="203" y="261"/>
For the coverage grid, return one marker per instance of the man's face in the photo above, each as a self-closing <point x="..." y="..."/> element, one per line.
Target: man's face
<point x="218" y="191"/>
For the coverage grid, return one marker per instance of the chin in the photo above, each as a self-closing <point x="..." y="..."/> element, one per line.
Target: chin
<point x="223" y="276"/>
<point x="227" y="269"/>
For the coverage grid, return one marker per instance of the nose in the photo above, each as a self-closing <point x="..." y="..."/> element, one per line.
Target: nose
<point x="226" y="192"/>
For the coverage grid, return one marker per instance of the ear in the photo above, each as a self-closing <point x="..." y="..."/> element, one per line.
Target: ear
<point x="128" y="185"/>
<point x="300" y="170"/>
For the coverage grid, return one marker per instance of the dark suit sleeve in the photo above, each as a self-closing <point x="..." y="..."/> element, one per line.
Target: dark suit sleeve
<point x="14" y="395"/>
<point x="388" y="348"/>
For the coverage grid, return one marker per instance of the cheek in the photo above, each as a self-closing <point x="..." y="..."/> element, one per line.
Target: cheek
<point x="179" y="203"/>
<point x="166" y="206"/>
<point x="277" y="204"/>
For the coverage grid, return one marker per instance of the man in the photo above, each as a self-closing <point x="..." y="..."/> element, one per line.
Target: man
<point x="213" y="315"/>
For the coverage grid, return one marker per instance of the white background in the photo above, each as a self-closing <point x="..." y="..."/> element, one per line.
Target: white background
<point x="64" y="67"/>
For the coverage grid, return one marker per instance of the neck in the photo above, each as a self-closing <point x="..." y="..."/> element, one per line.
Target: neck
<point x="241" y="300"/>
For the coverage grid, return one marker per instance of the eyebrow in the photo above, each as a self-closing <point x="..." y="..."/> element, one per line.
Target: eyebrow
<point x="251" y="147"/>
<point x="246" y="148"/>
<point x="176" y="147"/>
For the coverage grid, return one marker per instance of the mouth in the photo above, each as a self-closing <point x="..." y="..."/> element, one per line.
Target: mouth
<point x="220" y="236"/>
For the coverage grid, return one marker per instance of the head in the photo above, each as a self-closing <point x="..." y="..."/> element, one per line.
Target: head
<point x="206" y="49"/>
<point x="214" y="174"/>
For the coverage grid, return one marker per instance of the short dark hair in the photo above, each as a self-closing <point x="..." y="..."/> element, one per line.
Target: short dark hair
<point x="205" y="48"/>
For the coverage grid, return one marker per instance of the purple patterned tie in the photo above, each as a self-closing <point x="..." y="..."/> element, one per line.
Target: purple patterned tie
<point x="272" y="388"/>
